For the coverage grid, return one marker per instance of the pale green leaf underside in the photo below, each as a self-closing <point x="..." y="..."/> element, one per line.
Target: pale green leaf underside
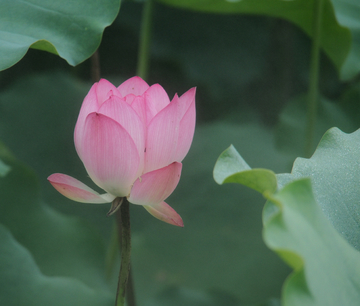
<point x="231" y="168"/>
<point x="229" y="163"/>
<point x="334" y="170"/>
<point x="326" y="267"/>
<point x="70" y="28"/>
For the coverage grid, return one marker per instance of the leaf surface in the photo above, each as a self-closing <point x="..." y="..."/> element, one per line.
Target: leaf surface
<point x="55" y="259"/>
<point x="312" y="221"/>
<point x="232" y="168"/>
<point x="334" y="170"/>
<point x="326" y="267"/>
<point x="71" y="29"/>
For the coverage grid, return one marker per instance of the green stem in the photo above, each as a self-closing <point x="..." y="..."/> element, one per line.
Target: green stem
<point x="95" y="67"/>
<point x="123" y="216"/>
<point x="130" y="294"/>
<point x="313" y="93"/>
<point x="145" y="38"/>
<point x="112" y="253"/>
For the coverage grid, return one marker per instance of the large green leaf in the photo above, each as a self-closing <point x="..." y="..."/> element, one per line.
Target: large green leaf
<point x="335" y="175"/>
<point x="326" y="267"/>
<point x="70" y="28"/>
<point x="340" y="34"/>
<point x="23" y="283"/>
<point x="54" y="259"/>
<point x="319" y="247"/>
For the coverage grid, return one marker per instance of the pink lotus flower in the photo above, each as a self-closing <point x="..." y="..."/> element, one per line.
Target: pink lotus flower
<point x="131" y="140"/>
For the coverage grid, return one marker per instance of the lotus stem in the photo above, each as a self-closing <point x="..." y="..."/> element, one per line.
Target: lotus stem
<point x="123" y="216"/>
<point x="95" y="67"/>
<point x="145" y="39"/>
<point x="313" y="93"/>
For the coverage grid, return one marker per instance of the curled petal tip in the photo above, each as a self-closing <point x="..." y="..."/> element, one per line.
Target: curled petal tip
<point x="166" y="213"/>
<point x="180" y="224"/>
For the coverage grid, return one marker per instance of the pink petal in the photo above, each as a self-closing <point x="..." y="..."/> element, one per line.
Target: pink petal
<point x="170" y="132"/>
<point x="162" y="136"/>
<point x="156" y="99"/>
<point x="139" y="106"/>
<point x="76" y="190"/>
<point x="130" y="98"/>
<point x="187" y="125"/>
<point x="89" y="105"/>
<point x="98" y="93"/>
<point x="135" y="85"/>
<point x="117" y="109"/>
<point x="154" y="187"/>
<point x="165" y="213"/>
<point x="104" y="90"/>
<point x="145" y="111"/>
<point x="109" y="154"/>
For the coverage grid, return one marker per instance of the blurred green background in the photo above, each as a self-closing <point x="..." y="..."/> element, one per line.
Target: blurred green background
<point x="251" y="73"/>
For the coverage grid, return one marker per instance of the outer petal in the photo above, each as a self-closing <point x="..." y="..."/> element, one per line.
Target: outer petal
<point x="187" y="125"/>
<point x="156" y="99"/>
<point x="135" y="85"/>
<point x="77" y="191"/>
<point x="117" y="109"/>
<point x="89" y="105"/>
<point x="154" y="187"/>
<point x="170" y="132"/>
<point x="98" y="93"/>
<point x="162" y="137"/>
<point x="109" y="154"/>
<point x="165" y="213"/>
